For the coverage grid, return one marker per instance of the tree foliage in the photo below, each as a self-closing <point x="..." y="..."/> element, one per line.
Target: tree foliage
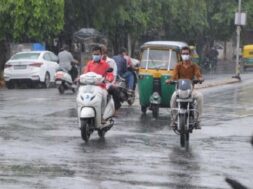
<point x="200" y="21"/>
<point x="123" y="22"/>
<point x="31" y="20"/>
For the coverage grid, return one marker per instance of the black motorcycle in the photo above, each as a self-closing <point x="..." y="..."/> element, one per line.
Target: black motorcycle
<point x="124" y="94"/>
<point x="185" y="114"/>
<point x="209" y="64"/>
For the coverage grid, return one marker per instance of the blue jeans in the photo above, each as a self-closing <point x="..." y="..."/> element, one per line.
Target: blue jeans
<point x="129" y="76"/>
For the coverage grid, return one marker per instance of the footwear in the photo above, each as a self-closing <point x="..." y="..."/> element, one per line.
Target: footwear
<point x="197" y="125"/>
<point x="130" y="92"/>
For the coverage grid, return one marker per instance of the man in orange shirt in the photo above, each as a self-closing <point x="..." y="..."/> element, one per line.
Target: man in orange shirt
<point x="187" y="70"/>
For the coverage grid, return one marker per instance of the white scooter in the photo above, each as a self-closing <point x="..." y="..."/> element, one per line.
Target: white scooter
<point x="64" y="81"/>
<point x="94" y="106"/>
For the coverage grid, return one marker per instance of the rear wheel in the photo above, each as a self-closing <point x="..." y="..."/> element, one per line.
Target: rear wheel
<point x="47" y="80"/>
<point x="9" y="85"/>
<point x="85" y="130"/>
<point x="244" y="68"/>
<point x="61" y="89"/>
<point x="144" y="109"/>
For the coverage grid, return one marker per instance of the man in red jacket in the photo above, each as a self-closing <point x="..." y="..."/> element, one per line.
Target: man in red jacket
<point x="97" y="64"/>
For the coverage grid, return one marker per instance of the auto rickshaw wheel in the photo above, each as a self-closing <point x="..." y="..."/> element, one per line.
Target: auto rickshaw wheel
<point x="144" y="109"/>
<point x="155" y="111"/>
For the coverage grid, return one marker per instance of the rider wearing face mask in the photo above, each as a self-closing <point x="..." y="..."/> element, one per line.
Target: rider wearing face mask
<point x="97" y="64"/>
<point x="187" y="70"/>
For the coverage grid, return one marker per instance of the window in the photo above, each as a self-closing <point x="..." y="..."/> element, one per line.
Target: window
<point x="47" y="57"/>
<point x="25" y="56"/>
<point x="158" y="59"/>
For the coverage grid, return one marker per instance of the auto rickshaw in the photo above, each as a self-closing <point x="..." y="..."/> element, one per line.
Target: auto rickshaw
<point x="158" y="59"/>
<point x="247" y="56"/>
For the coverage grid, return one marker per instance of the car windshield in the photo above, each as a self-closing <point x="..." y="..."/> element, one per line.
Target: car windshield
<point x="26" y="56"/>
<point x="158" y="59"/>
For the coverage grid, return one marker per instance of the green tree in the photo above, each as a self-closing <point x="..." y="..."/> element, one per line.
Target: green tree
<point x="31" y="20"/>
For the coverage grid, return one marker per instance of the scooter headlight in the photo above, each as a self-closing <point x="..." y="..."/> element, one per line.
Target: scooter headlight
<point x="88" y="97"/>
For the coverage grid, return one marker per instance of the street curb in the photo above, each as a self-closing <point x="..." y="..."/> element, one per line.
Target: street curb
<point x="208" y="84"/>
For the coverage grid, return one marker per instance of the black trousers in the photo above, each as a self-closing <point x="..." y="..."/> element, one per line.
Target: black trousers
<point x="115" y="95"/>
<point x="73" y="73"/>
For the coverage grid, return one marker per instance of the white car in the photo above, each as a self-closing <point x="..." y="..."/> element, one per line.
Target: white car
<point x="33" y="67"/>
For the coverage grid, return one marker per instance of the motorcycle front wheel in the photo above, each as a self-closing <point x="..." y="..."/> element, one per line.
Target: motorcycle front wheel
<point x="184" y="135"/>
<point x="85" y="130"/>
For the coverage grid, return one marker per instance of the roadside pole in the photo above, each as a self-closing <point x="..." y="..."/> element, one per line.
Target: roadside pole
<point x="240" y="20"/>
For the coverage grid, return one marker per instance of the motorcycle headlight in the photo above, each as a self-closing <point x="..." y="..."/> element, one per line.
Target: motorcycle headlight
<point x="184" y="93"/>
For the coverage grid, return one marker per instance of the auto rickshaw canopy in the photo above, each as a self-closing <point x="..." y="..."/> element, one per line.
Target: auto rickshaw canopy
<point x="247" y="51"/>
<point x="161" y="55"/>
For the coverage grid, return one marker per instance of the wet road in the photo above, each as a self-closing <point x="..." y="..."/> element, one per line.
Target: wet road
<point x="41" y="145"/>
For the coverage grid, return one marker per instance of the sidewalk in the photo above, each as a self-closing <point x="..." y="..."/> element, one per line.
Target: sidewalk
<point x="216" y="82"/>
<point x="222" y="75"/>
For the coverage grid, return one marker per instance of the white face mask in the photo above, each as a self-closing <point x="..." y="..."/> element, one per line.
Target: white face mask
<point x="185" y="57"/>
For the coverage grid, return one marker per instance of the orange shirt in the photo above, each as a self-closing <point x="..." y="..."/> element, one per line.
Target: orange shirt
<point x="181" y="72"/>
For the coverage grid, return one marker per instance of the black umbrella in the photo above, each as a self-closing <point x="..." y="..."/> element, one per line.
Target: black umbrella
<point x="87" y="33"/>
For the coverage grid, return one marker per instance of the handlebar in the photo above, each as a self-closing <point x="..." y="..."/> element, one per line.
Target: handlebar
<point x="194" y="81"/>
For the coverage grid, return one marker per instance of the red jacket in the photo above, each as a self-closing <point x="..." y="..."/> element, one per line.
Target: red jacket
<point x="99" y="68"/>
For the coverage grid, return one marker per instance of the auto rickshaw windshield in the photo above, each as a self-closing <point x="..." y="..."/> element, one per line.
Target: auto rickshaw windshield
<point x="158" y="59"/>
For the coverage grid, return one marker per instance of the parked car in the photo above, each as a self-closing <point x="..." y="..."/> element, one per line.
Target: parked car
<point x="32" y="67"/>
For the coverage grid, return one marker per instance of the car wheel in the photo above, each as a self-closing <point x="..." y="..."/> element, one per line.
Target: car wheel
<point x="47" y="80"/>
<point x="9" y="85"/>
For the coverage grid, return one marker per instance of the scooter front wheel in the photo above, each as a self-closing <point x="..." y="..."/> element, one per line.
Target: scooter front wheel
<point x="85" y="130"/>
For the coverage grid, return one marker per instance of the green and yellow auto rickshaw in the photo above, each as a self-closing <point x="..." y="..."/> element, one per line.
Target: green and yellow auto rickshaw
<point x="158" y="59"/>
<point x="247" y="56"/>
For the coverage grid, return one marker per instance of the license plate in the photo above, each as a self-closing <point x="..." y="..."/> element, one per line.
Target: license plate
<point x="58" y="82"/>
<point x="19" y="67"/>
